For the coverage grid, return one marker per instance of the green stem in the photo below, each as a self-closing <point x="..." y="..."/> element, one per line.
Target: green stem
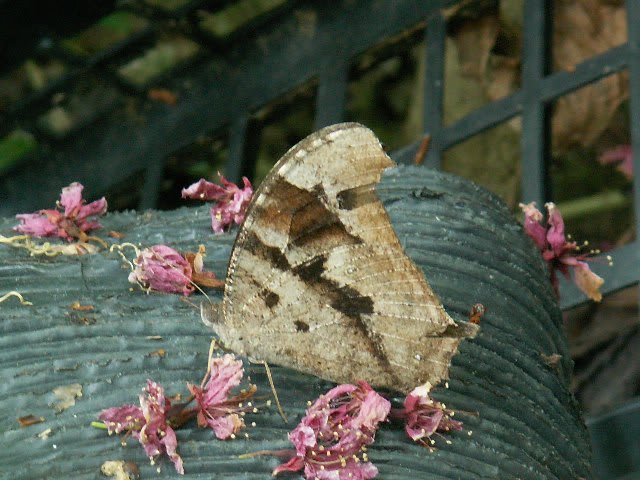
<point x="593" y="204"/>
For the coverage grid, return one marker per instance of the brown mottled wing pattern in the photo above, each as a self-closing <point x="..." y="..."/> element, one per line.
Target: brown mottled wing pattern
<point x="318" y="280"/>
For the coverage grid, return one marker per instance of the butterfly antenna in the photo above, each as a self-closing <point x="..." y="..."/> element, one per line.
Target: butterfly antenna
<point x="212" y="346"/>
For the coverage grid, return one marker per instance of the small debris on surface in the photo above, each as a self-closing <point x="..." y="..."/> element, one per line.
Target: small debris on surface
<point x="29" y="420"/>
<point x="120" y="470"/>
<point x="161" y="352"/>
<point x="14" y="294"/>
<point x="80" y="320"/>
<point x="45" y="434"/>
<point x="551" y="360"/>
<point x="66" y="396"/>
<point x="154" y="337"/>
<point x="81" y="308"/>
<point x="115" y="234"/>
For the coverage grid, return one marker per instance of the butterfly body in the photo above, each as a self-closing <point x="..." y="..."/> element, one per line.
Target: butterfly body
<point x="318" y="280"/>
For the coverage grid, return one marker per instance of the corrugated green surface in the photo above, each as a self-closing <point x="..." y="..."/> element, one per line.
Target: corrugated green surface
<point x="471" y="250"/>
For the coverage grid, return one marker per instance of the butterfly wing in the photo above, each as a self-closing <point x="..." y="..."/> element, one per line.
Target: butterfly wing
<point x="318" y="280"/>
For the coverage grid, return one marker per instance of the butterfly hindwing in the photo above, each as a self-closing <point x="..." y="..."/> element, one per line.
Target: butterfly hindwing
<point x="318" y="280"/>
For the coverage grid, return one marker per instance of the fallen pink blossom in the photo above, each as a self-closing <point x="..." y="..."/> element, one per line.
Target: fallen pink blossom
<point x="71" y="220"/>
<point x="231" y="202"/>
<point x="331" y="439"/>
<point x="217" y="408"/>
<point x="424" y="416"/>
<point x="147" y="423"/>
<point x="163" y="269"/>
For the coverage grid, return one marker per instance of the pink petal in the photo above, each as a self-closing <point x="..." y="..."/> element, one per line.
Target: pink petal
<point x="221" y="218"/>
<point x="295" y="464"/>
<point x="36" y="224"/>
<point x="374" y="409"/>
<point x="587" y="281"/>
<point x="86" y="226"/>
<point x="226" y="373"/>
<point x="204" y="190"/>
<point x="97" y="208"/>
<point x="225" y="426"/>
<point x="424" y="424"/>
<point x="170" y="443"/>
<point x="555" y="234"/>
<point x="119" y="419"/>
<point x="149" y="440"/>
<point x="303" y="437"/>
<point x="532" y="226"/>
<point x="71" y="199"/>
<point x="626" y="166"/>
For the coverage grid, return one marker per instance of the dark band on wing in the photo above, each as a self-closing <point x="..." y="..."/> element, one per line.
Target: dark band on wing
<point x="344" y="299"/>
<point x="314" y="225"/>
<point x="356" y="197"/>
<point x="271" y="299"/>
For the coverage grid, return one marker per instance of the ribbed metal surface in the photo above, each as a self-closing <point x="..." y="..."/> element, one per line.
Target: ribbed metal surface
<point x="471" y="250"/>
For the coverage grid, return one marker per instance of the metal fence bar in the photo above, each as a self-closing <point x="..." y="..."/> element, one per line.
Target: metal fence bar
<point x="534" y="121"/>
<point x="633" y="25"/>
<point x="591" y="70"/>
<point x="237" y="161"/>
<point x="482" y="119"/>
<point x="551" y="87"/>
<point x="434" y="86"/>
<point x="332" y="94"/>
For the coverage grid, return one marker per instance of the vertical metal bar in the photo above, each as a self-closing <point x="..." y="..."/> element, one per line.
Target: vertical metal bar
<point x="535" y="131"/>
<point x="332" y="94"/>
<point x="238" y="131"/>
<point x="434" y="86"/>
<point x="633" y="25"/>
<point x="152" y="180"/>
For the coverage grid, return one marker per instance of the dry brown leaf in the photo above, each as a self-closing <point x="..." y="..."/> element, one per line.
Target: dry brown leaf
<point x="120" y="470"/>
<point x="583" y="29"/>
<point x="66" y="395"/>
<point x="474" y="41"/>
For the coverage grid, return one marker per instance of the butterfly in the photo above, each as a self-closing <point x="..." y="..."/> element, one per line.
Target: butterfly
<point x="318" y="280"/>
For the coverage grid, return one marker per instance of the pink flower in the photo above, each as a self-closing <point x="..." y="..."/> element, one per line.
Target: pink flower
<point x="70" y="221"/>
<point x="216" y="409"/>
<point x="622" y="157"/>
<point x="147" y="423"/>
<point x="231" y="201"/>
<point x="163" y="269"/>
<point x="330" y="441"/>
<point x="423" y="416"/>
<point x="559" y="253"/>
